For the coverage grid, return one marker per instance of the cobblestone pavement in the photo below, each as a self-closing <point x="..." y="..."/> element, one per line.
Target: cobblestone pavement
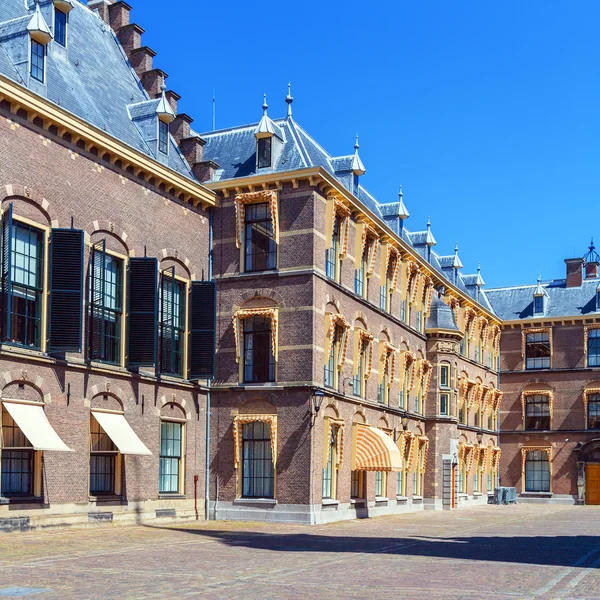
<point x="491" y="552"/>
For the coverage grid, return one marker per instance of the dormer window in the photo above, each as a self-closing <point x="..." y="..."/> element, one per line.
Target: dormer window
<point x="60" y="27"/>
<point x="163" y="137"/>
<point x="38" y="61"/>
<point x="598" y="299"/>
<point x="538" y="305"/>
<point x="264" y="152"/>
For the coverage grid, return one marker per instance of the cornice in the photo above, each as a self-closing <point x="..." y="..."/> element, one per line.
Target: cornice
<point x="21" y="98"/>
<point x="319" y="177"/>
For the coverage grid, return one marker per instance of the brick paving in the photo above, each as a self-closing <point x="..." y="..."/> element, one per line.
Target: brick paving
<point x="491" y="552"/>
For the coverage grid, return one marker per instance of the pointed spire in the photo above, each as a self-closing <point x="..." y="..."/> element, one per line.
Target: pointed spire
<point x="163" y="110"/>
<point x="289" y="99"/>
<point x="402" y="210"/>
<point x="591" y="256"/>
<point x="38" y="28"/>
<point x="456" y="264"/>
<point x="266" y="127"/>
<point x="479" y="282"/>
<point x="539" y="290"/>
<point x="357" y="165"/>
<point x="265" y="106"/>
<point x="429" y="240"/>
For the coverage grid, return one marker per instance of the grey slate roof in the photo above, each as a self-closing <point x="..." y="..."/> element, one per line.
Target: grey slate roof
<point x="234" y="149"/>
<point x="514" y="303"/>
<point x="440" y="316"/>
<point x="91" y="79"/>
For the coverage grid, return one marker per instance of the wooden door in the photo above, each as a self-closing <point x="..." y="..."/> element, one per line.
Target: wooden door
<point x="592" y="484"/>
<point x="453" y="486"/>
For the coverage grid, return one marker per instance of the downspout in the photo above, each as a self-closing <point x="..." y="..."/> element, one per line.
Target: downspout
<point x="207" y="449"/>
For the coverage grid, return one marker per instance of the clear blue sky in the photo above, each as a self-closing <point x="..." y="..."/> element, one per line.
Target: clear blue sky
<point x="486" y="112"/>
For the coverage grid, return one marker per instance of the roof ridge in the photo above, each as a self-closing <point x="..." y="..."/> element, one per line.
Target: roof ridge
<point x="294" y="133"/>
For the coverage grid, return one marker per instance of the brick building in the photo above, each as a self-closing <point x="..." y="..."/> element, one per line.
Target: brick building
<point x="356" y="366"/>
<point x="105" y="313"/>
<point x="550" y="376"/>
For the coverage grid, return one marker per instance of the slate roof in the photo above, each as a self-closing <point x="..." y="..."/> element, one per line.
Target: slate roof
<point x="440" y="316"/>
<point x="234" y="150"/>
<point x="92" y="79"/>
<point x="516" y="303"/>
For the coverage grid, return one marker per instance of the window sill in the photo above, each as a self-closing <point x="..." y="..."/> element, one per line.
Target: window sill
<point x="20" y="500"/>
<point x="536" y="494"/>
<point x="463" y="496"/>
<point x="329" y="502"/>
<point x="401" y="499"/>
<point x="381" y="500"/>
<point x="271" y="501"/>
<point x="97" y="364"/>
<point x="108" y="498"/>
<point x="417" y="498"/>
<point x="477" y="494"/>
<point x="166" y="496"/>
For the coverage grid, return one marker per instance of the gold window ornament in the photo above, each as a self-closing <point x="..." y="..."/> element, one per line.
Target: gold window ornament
<point x="412" y="282"/>
<point x="428" y="290"/>
<point x="392" y="254"/>
<point x="548" y="393"/>
<point x="362" y="339"/>
<point x="239" y="421"/>
<point x="465" y="456"/>
<point x="470" y="322"/>
<point x="423" y="451"/>
<point x="496" y="334"/>
<point x="471" y="394"/>
<point x="238" y="327"/>
<point x="454" y="304"/>
<point x="388" y="358"/>
<point x="526" y="332"/>
<point x="269" y="196"/>
<point x="426" y="371"/>
<point x="484" y="329"/>
<point x="586" y="394"/>
<point x="330" y="423"/>
<point x="368" y="233"/>
<point x="337" y="209"/>
<point x="586" y="334"/>
<point x="496" y="458"/>
<point x="526" y="449"/>
<point x="333" y="320"/>
<point x="410" y="443"/>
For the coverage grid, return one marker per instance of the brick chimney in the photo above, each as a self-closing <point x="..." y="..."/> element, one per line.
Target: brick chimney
<point x="102" y="6"/>
<point x="574" y="272"/>
<point x="591" y="270"/>
<point x="118" y="14"/>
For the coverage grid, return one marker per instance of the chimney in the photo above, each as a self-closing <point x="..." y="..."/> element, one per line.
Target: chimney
<point x="574" y="272"/>
<point x="130" y="37"/>
<point x="142" y="59"/>
<point x="118" y="14"/>
<point x="102" y="6"/>
<point x="205" y="170"/>
<point x="180" y="127"/>
<point x="591" y="270"/>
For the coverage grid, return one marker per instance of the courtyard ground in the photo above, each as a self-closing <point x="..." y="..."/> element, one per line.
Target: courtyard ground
<point x="489" y="552"/>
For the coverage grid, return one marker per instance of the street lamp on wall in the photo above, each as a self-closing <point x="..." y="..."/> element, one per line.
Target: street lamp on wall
<point x="404" y="421"/>
<point x="479" y="437"/>
<point x="317" y="400"/>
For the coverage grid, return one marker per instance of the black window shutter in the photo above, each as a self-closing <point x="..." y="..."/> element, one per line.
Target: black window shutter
<point x="6" y="303"/>
<point x="66" y="290"/>
<point x="203" y="314"/>
<point x="143" y="311"/>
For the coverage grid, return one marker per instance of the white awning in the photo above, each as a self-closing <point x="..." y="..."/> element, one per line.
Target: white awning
<point x="34" y="424"/>
<point x="121" y="433"/>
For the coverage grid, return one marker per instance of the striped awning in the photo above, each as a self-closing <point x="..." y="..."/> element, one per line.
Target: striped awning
<point x="374" y="450"/>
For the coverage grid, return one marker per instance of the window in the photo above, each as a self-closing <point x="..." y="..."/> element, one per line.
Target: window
<point x="359" y="381"/>
<point x="259" y="362"/>
<point x="106" y="305"/>
<point x="360" y="281"/>
<point x="462" y="412"/>
<point x="380" y="484"/>
<point x="264" y="152"/>
<point x="538" y="305"/>
<point x="478" y="353"/>
<point x="419" y="401"/>
<point x="103" y="461"/>
<point x="593" y="348"/>
<point x="331" y="368"/>
<point x="170" y="457"/>
<point x="420" y="321"/>
<point x="60" y="27"/>
<point x="260" y="247"/>
<point x="330" y="471"/>
<point x="463" y="347"/>
<point x="257" y="467"/>
<point x="22" y="274"/>
<point x="444" y="401"/>
<point x="401" y="483"/>
<point x="537" y="471"/>
<point x="445" y="376"/>
<point x="402" y="398"/>
<point x="462" y="479"/>
<point x="17" y="466"/>
<point x="38" y="60"/>
<point x="332" y="254"/>
<point x="357" y="484"/>
<point x="403" y="311"/>
<point x="593" y="411"/>
<point x="537" y="351"/>
<point x="163" y="137"/>
<point x="171" y="326"/>
<point x="537" y="412"/>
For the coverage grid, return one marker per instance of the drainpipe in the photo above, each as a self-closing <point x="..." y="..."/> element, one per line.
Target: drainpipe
<point x="207" y="449"/>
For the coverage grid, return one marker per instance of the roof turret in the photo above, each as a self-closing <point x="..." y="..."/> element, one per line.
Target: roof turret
<point x="38" y="28"/>
<point x="163" y="110"/>
<point x="357" y="165"/>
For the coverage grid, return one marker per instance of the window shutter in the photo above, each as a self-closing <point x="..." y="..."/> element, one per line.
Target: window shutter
<point x="5" y="324"/>
<point x="203" y="314"/>
<point x="143" y="311"/>
<point x="97" y="277"/>
<point x="66" y="290"/>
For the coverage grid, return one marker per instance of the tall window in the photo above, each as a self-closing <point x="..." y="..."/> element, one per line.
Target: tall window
<point x="537" y="351"/>
<point x="403" y="312"/>
<point x="60" y="27"/>
<point x="462" y="412"/>
<point x="264" y="152"/>
<point x="260" y="249"/>
<point x="401" y="483"/>
<point x="257" y="468"/>
<point x="103" y="461"/>
<point x="537" y="471"/>
<point x="170" y="457"/>
<point x="444" y="404"/>
<point x="360" y="280"/>
<point x="402" y="397"/>
<point x="332" y="253"/>
<point x="537" y="412"/>
<point x="357" y="484"/>
<point x="419" y="321"/>
<point x="593" y="348"/>
<point x="445" y="376"/>
<point x="22" y="274"/>
<point x="163" y="137"/>
<point x="330" y="471"/>
<point x="538" y="305"/>
<point x="17" y="464"/>
<point x="38" y="60"/>
<point x="259" y="362"/>
<point x="478" y="352"/>
<point x="330" y="378"/>
<point x="106" y="305"/>
<point x="593" y="411"/>
<point x="380" y="484"/>
<point x="171" y="326"/>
